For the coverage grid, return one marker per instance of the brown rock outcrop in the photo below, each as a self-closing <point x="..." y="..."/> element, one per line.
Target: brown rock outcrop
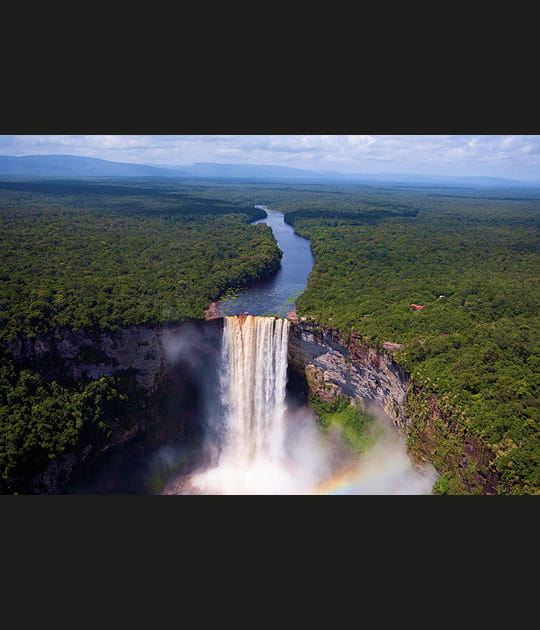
<point x="333" y="365"/>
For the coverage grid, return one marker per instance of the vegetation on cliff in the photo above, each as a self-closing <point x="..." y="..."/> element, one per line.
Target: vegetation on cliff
<point x="472" y="263"/>
<point x="97" y="255"/>
<point x="111" y="253"/>
<point x="41" y="420"/>
<point x="356" y="424"/>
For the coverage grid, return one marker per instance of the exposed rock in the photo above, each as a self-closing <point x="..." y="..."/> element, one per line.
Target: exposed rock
<point x="334" y="366"/>
<point x="392" y="347"/>
<point x="142" y="348"/>
<point x="331" y="365"/>
<point x="59" y="471"/>
<point x="432" y="429"/>
<point x="163" y="358"/>
<point x="292" y="317"/>
<point x="212" y="311"/>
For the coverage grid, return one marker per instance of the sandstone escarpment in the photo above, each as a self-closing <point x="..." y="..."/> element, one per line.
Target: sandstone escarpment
<point x="334" y="366"/>
<point x="149" y="351"/>
<point x="439" y="435"/>
<point x="164" y="366"/>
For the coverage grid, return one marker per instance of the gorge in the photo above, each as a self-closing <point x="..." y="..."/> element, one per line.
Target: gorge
<point x="417" y="307"/>
<point x="180" y="371"/>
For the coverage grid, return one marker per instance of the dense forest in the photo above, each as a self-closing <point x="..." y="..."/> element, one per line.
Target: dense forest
<point x="102" y="254"/>
<point x="92" y="255"/>
<point x="456" y="285"/>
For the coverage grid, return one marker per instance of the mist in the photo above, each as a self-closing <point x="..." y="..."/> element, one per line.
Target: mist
<point x="314" y="462"/>
<point x="254" y="444"/>
<point x="385" y="467"/>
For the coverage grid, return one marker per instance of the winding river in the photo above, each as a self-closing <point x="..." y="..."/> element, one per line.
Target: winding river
<point x="277" y="295"/>
<point x="248" y="381"/>
<point x="127" y="470"/>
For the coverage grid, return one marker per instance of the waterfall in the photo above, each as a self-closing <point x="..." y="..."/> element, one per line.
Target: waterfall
<point x="253" y="382"/>
<point x="258" y="446"/>
<point x="253" y="377"/>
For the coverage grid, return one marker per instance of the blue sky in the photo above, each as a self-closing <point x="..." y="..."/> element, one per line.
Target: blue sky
<point x="513" y="157"/>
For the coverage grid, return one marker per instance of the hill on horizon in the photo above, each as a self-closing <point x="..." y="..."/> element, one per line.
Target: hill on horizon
<point x="79" y="166"/>
<point x="75" y="166"/>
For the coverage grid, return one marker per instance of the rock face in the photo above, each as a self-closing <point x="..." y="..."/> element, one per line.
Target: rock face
<point x="168" y="363"/>
<point x="332" y="365"/>
<point x="175" y="362"/>
<point x="438" y="436"/>
<point x="212" y="312"/>
<point x="335" y="366"/>
<point x="149" y="350"/>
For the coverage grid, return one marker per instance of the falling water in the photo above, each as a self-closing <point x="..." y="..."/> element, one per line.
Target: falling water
<point x="253" y="381"/>
<point x="257" y="446"/>
<point x="252" y="457"/>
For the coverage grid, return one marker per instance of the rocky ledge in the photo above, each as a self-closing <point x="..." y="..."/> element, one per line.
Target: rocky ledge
<point x="333" y="365"/>
<point x="148" y="350"/>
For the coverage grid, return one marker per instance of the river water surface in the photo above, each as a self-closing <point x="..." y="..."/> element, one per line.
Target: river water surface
<point x="275" y="296"/>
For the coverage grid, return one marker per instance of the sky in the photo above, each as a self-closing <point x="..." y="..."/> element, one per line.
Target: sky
<point x="508" y="156"/>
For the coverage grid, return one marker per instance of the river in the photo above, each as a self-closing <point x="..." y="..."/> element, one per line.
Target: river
<point x="277" y="295"/>
<point x="247" y="440"/>
<point x="130" y="469"/>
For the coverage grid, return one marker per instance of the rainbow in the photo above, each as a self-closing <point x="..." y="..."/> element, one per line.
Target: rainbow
<point x="370" y="479"/>
<point x="339" y="482"/>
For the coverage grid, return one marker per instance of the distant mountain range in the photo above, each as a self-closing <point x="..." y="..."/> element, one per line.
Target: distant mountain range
<point x="78" y="166"/>
<point x="75" y="166"/>
<point x="262" y="171"/>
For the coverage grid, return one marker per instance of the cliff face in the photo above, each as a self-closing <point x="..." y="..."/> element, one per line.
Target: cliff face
<point x="334" y="366"/>
<point x="142" y="348"/>
<point x="166" y="363"/>
<point x="172" y="365"/>
<point x="439" y="436"/>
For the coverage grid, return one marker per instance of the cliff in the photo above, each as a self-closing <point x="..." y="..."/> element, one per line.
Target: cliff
<point x="87" y="354"/>
<point x="333" y="365"/>
<point x="171" y="367"/>
<point x="162" y="369"/>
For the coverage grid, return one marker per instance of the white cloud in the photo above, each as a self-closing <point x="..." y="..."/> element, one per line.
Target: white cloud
<point x="506" y="156"/>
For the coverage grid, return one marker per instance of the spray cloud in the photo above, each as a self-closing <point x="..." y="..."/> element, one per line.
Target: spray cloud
<point x="258" y="446"/>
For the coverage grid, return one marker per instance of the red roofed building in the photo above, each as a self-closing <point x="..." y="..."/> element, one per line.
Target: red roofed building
<point x="417" y="307"/>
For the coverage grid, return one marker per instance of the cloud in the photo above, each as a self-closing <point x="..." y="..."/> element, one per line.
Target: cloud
<point x="512" y="156"/>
